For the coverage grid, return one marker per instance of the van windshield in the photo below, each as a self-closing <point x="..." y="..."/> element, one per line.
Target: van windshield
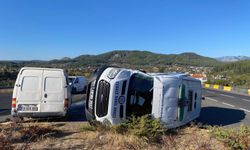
<point x="140" y="95"/>
<point x="71" y="79"/>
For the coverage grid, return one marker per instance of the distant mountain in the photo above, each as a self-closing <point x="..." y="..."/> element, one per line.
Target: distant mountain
<point x="232" y="58"/>
<point x="123" y="58"/>
<point x="65" y="59"/>
<point x="144" y="58"/>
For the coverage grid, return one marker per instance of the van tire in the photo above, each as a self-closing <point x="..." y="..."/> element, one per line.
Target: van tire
<point x="84" y="90"/>
<point x="73" y="90"/>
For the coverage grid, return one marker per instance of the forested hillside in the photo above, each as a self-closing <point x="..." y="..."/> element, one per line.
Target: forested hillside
<point x="144" y="58"/>
<point x="85" y="64"/>
<point x="120" y="58"/>
<point x="234" y="74"/>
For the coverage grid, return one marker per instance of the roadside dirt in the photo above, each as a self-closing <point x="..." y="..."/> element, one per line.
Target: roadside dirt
<point x="79" y="135"/>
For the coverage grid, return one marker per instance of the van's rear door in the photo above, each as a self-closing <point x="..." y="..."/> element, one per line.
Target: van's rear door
<point x="53" y="91"/>
<point x="29" y="87"/>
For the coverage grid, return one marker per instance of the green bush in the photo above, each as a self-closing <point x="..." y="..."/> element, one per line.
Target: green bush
<point x="235" y="138"/>
<point x="145" y="126"/>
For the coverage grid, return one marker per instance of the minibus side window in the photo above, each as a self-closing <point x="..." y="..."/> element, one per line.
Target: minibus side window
<point x="190" y="99"/>
<point x="195" y="98"/>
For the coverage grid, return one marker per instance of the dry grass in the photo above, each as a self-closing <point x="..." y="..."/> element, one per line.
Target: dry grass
<point x="12" y="133"/>
<point x="237" y="138"/>
<point x="192" y="138"/>
<point x="79" y="135"/>
<point x="110" y="140"/>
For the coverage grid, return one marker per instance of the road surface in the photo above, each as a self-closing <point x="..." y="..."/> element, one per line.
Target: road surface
<point x="225" y="109"/>
<point x="5" y="105"/>
<point x="76" y="112"/>
<point x="219" y="108"/>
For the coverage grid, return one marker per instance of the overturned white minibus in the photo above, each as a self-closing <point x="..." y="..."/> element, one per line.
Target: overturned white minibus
<point x="115" y="94"/>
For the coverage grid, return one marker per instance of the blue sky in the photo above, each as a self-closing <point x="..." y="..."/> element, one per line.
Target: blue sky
<point x="48" y="29"/>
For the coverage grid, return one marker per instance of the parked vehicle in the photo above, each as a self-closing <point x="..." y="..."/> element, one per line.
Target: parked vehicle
<point x="115" y="94"/>
<point x="41" y="92"/>
<point x="78" y="84"/>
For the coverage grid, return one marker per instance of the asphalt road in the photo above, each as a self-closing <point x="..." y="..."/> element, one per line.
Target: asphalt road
<point x="76" y="112"/>
<point x="219" y="108"/>
<point x="5" y="105"/>
<point x="225" y="109"/>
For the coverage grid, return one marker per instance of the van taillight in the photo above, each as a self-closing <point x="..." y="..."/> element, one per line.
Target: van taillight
<point x="66" y="103"/>
<point x="13" y="102"/>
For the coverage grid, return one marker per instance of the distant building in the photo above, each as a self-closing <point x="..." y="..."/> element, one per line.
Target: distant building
<point x="201" y="77"/>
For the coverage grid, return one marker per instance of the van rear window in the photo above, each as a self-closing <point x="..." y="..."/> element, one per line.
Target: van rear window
<point x="52" y="84"/>
<point x="30" y="84"/>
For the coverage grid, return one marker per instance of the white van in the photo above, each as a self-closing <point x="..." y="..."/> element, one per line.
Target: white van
<point x="115" y="94"/>
<point x="41" y="92"/>
<point x="78" y="84"/>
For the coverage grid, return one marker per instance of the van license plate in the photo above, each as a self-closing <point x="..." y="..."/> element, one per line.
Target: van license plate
<point x="28" y="108"/>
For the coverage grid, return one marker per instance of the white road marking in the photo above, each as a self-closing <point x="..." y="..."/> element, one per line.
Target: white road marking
<point x="226" y="95"/>
<point x="245" y="99"/>
<point x="228" y="104"/>
<point x="245" y="110"/>
<point x="210" y="92"/>
<point x="211" y="99"/>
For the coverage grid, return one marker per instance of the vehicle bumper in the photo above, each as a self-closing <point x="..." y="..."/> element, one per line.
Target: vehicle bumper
<point x="39" y="114"/>
<point x="89" y="116"/>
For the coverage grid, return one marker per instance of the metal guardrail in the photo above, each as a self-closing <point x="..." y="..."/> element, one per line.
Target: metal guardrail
<point x="228" y="88"/>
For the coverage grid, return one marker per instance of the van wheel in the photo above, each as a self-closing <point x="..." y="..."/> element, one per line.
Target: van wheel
<point x="84" y="90"/>
<point x="73" y="90"/>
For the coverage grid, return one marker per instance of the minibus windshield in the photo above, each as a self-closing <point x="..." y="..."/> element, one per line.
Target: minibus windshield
<point x="140" y="95"/>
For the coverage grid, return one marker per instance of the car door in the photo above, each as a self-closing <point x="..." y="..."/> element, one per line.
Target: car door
<point x="29" y="87"/>
<point x="53" y="91"/>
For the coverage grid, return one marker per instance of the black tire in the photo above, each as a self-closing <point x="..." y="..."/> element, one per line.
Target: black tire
<point x="73" y="90"/>
<point x="84" y="90"/>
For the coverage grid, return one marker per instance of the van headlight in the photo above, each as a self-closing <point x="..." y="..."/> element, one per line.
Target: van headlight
<point x="113" y="72"/>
